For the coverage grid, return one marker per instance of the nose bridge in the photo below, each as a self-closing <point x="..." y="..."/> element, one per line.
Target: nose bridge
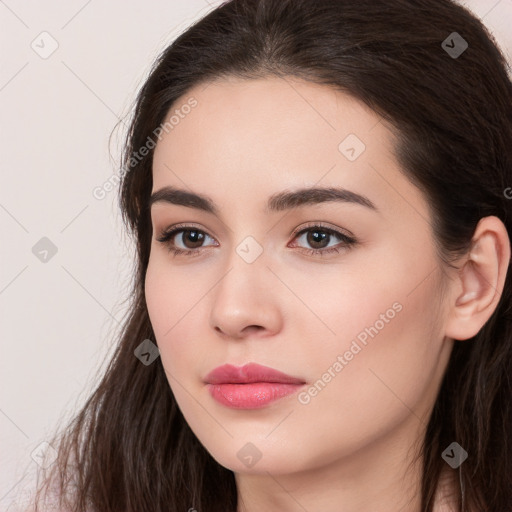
<point x="241" y="296"/>
<point x="247" y="255"/>
<point x="245" y="270"/>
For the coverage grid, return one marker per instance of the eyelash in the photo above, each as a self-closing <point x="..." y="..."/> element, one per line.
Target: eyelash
<point x="166" y="236"/>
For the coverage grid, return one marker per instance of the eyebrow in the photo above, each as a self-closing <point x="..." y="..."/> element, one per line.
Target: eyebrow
<point x="276" y="203"/>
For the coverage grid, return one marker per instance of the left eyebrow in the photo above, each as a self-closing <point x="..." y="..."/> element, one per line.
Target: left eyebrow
<point x="276" y="203"/>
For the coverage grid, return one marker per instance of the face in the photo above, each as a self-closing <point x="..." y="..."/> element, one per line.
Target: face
<point x="340" y="291"/>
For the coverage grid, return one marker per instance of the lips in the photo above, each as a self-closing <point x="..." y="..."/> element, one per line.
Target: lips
<point x="251" y="386"/>
<point x="249" y="373"/>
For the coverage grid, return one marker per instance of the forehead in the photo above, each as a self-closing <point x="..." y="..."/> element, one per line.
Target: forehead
<point x="260" y="136"/>
<point x="298" y="111"/>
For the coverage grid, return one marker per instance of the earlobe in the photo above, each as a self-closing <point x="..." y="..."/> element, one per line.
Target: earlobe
<point x="479" y="284"/>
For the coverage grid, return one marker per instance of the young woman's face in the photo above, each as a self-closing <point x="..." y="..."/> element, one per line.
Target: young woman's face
<point x="340" y="295"/>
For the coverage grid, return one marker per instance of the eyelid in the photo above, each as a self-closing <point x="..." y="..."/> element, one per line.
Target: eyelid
<point x="295" y="232"/>
<point x="347" y="239"/>
<point x="182" y="226"/>
<point x="323" y="225"/>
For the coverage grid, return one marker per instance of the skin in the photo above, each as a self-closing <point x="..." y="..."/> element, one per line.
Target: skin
<point x="352" y="446"/>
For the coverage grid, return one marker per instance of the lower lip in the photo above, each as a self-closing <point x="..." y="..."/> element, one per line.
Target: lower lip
<point x="251" y="396"/>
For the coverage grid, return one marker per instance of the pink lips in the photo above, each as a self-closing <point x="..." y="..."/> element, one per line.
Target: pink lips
<point x="250" y="386"/>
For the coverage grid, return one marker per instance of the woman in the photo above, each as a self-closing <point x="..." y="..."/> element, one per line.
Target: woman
<point x="263" y="369"/>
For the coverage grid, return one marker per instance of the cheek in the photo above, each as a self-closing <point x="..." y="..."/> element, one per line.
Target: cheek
<point x="359" y="300"/>
<point x="389" y="338"/>
<point x="166" y="296"/>
<point x="382" y="313"/>
<point x="174" y="301"/>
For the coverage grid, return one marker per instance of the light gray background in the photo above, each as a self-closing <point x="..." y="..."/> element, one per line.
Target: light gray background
<point x="59" y="318"/>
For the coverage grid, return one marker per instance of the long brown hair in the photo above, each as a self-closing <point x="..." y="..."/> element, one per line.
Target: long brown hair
<point x="130" y="449"/>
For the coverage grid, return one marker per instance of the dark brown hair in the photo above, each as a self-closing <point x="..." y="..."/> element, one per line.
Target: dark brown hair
<point x="129" y="449"/>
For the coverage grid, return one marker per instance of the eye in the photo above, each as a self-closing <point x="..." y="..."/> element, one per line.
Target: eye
<point x="315" y="235"/>
<point x="189" y="235"/>
<point x="319" y="236"/>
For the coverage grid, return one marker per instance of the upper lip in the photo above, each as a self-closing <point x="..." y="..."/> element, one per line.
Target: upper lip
<point x="251" y="372"/>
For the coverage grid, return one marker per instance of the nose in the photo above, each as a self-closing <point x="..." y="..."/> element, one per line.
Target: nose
<point x="242" y="303"/>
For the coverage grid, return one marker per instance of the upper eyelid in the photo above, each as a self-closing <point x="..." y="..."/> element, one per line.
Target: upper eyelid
<point x="177" y="228"/>
<point x="322" y="225"/>
<point x="347" y="241"/>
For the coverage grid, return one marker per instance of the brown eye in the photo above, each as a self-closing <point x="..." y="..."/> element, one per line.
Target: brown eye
<point x="193" y="237"/>
<point x="319" y="237"/>
<point x="190" y="238"/>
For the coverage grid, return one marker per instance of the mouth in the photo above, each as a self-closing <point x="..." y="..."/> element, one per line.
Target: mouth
<point x="251" y="386"/>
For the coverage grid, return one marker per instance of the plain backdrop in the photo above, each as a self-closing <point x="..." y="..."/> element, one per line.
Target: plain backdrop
<point x="69" y="73"/>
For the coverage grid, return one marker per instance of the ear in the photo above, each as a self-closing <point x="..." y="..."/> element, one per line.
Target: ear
<point x="480" y="281"/>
